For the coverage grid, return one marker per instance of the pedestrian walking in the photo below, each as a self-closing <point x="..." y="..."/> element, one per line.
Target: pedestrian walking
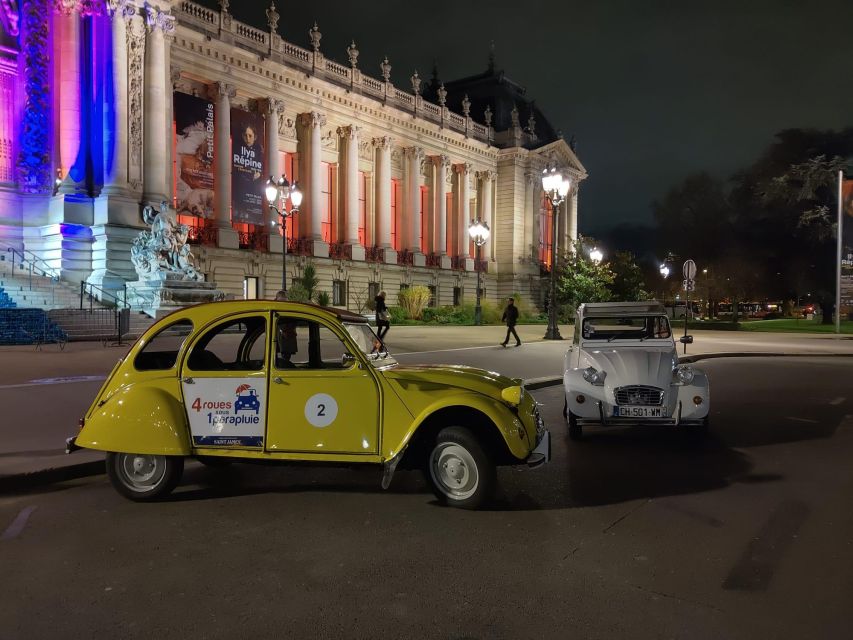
<point x="383" y="317"/>
<point x="510" y="316"/>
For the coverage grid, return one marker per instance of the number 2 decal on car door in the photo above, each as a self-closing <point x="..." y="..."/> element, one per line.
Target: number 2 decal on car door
<point x="321" y="409"/>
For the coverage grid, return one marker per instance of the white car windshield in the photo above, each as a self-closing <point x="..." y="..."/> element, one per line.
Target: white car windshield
<point x="626" y="328"/>
<point x="369" y="344"/>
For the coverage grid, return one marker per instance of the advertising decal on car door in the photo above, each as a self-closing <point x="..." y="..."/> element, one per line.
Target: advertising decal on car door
<point x="227" y="412"/>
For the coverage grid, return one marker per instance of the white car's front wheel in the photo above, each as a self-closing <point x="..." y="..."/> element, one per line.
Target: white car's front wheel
<point x="575" y="429"/>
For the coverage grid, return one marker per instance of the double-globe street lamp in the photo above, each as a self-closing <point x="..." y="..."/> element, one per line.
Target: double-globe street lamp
<point x="556" y="187"/>
<point x="278" y="192"/>
<point x="479" y="232"/>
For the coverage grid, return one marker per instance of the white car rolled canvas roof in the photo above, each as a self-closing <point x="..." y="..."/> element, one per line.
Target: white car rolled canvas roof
<point x="649" y="307"/>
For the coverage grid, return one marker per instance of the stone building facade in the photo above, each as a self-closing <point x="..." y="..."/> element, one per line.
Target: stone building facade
<point x="392" y="178"/>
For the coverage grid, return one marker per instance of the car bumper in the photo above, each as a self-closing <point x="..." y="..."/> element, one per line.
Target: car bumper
<point x="542" y="453"/>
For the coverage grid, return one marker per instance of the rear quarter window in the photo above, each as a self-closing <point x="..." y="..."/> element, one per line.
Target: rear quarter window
<point x="162" y="350"/>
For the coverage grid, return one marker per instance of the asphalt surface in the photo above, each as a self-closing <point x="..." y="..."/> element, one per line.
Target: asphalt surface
<point x="630" y="533"/>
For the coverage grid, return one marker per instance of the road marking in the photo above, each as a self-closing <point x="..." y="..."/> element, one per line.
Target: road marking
<point x="17" y="524"/>
<point x="764" y="553"/>
<point x="837" y="401"/>
<point x="413" y="353"/>
<point x="63" y="380"/>
<point x="806" y="420"/>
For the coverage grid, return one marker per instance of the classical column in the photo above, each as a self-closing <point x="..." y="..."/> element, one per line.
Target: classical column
<point x="271" y="108"/>
<point x="530" y="217"/>
<point x="414" y="155"/>
<point x="69" y="102"/>
<point x="221" y="94"/>
<point x="312" y="123"/>
<point x="156" y="166"/>
<point x="350" y="135"/>
<point x="116" y="137"/>
<point x="573" y="217"/>
<point x="463" y="171"/>
<point x="486" y="178"/>
<point x="440" y="190"/>
<point x="383" y="191"/>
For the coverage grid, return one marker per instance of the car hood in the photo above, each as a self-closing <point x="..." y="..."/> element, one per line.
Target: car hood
<point x="632" y="365"/>
<point x="489" y="383"/>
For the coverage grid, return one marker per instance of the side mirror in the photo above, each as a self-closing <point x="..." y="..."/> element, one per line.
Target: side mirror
<point x="347" y="360"/>
<point x="686" y="339"/>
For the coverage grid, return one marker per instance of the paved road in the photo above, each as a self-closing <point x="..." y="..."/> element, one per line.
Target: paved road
<point x="45" y="392"/>
<point x="628" y="534"/>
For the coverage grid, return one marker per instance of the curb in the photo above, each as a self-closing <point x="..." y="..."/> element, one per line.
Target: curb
<point x="24" y="482"/>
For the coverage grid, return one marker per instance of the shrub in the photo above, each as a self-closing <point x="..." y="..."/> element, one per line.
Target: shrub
<point x="297" y="293"/>
<point x="398" y="315"/>
<point x="414" y="300"/>
<point x="323" y="298"/>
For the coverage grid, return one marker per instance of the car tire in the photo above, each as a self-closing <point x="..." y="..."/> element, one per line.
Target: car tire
<point x="459" y="470"/>
<point x="565" y="408"/>
<point x="575" y="429"/>
<point x="142" y="477"/>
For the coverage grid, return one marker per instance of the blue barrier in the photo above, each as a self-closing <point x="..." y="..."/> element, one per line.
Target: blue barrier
<point x="29" y="326"/>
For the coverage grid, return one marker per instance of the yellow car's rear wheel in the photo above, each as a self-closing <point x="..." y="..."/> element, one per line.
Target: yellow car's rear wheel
<point x="142" y="476"/>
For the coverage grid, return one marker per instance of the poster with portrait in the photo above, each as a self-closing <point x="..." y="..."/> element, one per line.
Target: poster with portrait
<point x="247" y="167"/>
<point x="846" y="232"/>
<point x="193" y="155"/>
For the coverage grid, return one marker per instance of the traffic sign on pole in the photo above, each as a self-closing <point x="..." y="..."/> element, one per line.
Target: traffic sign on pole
<point x="689" y="270"/>
<point x="688" y="285"/>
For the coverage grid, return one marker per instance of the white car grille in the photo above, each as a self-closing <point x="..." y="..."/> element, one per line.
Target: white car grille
<point x="639" y="396"/>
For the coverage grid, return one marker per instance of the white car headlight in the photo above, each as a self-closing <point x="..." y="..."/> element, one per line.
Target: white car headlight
<point x="684" y="374"/>
<point x="594" y="376"/>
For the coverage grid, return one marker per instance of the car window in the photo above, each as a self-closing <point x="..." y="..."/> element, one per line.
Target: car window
<point x="161" y="351"/>
<point x="236" y="345"/>
<point x="626" y="328"/>
<point x="305" y="344"/>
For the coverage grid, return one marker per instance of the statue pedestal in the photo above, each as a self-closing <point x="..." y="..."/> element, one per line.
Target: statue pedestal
<point x="157" y="298"/>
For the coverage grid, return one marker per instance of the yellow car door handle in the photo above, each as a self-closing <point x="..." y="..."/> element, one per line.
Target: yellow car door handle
<point x="278" y="380"/>
<point x="188" y="380"/>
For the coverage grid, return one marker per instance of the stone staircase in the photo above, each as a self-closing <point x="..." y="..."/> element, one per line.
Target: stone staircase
<point x="26" y="287"/>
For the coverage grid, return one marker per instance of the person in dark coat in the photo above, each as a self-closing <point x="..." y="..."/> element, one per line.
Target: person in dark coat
<point x="510" y="316"/>
<point x="383" y="317"/>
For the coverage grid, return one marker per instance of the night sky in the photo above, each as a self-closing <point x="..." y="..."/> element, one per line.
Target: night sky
<point x="653" y="91"/>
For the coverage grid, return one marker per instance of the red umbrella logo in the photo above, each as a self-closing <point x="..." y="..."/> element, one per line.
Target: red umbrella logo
<point x="242" y="388"/>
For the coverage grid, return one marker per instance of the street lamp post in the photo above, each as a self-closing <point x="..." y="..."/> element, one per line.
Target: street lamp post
<point x="280" y="191"/>
<point x="664" y="271"/>
<point x="596" y="256"/>
<point x="556" y="187"/>
<point x="479" y="232"/>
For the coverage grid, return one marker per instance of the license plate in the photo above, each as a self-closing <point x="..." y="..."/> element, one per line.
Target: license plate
<point x="638" y="412"/>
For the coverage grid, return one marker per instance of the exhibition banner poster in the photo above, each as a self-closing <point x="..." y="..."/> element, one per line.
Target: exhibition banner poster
<point x="247" y="167"/>
<point x="846" y="234"/>
<point x="194" y="155"/>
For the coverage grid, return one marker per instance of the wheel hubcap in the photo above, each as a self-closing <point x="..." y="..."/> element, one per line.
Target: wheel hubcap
<point x="141" y="472"/>
<point x="454" y="471"/>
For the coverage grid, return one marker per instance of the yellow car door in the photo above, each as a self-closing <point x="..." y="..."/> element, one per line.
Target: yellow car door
<point x="224" y="382"/>
<point x="323" y="397"/>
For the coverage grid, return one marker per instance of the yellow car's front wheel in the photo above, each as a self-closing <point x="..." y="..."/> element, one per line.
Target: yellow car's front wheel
<point x="141" y="476"/>
<point x="460" y="472"/>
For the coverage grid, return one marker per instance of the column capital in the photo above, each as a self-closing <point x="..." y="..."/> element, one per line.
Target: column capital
<point x="487" y="176"/>
<point x="383" y="142"/>
<point x="270" y="106"/>
<point x="312" y="119"/>
<point x="533" y="178"/>
<point x="413" y="153"/>
<point x="159" y="21"/>
<point x="175" y="76"/>
<point x="221" y="89"/>
<point x="351" y="132"/>
<point x="463" y="168"/>
<point x="66" y="7"/>
<point x="441" y="161"/>
<point x="124" y="8"/>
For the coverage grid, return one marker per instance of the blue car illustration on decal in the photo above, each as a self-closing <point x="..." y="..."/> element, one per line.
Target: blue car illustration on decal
<point x="247" y="399"/>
